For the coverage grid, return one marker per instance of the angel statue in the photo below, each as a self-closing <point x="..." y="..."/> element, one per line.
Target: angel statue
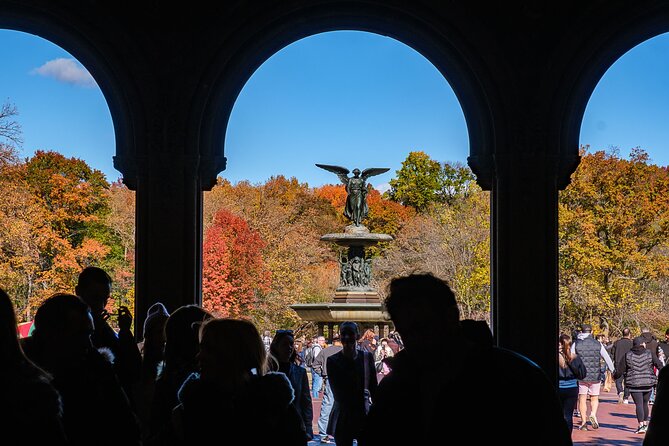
<point x="356" y="189"/>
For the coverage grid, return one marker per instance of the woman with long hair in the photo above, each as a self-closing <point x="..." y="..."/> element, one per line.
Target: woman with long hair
<point x="283" y="358"/>
<point x="36" y="408"/>
<point x="571" y="369"/>
<point x="234" y="396"/>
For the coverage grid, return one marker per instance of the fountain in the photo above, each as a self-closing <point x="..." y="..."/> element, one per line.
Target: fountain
<point x="354" y="299"/>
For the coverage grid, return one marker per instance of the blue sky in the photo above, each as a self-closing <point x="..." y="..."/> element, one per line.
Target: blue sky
<point x="352" y="99"/>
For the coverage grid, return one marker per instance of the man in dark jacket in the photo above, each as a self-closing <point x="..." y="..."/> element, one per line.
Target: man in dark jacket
<point x="475" y="374"/>
<point x="352" y="377"/>
<point x="94" y="288"/>
<point x="619" y="350"/>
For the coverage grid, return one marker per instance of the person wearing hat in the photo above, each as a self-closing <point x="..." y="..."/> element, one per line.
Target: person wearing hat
<point x="591" y="351"/>
<point x="637" y="368"/>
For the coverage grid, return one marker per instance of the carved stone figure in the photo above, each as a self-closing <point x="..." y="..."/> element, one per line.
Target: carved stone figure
<point x="356" y="188"/>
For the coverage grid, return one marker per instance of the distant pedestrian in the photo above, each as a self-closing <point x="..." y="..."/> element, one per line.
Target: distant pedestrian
<point x="619" y="350"/>
<point x="571" y="369"/>
<point x="591" y="352"/>
<point x="640" y="378"/>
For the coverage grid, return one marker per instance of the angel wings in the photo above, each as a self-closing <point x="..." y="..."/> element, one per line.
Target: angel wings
<point x="343" y="172"/>
<point x="356" y="198"/>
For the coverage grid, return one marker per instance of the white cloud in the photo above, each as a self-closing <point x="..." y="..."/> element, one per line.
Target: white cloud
<point x="67" y="71"/>
<point x="382" y="187"/>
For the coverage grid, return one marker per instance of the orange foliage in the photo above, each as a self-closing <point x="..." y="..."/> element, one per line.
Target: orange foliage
<point x="233" y="267"/>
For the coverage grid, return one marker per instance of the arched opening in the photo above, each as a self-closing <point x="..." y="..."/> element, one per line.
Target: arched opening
<point x="613" y="235"/>
<point x="64" y="206"/>
<point x="350" y="99"/>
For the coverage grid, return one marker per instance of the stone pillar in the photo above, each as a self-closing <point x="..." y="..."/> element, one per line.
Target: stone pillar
<point x="525" y="257"/>
<point x="168" y="221"/>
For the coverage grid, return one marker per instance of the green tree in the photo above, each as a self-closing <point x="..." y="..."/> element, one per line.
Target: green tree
<point x="418" y="182"/>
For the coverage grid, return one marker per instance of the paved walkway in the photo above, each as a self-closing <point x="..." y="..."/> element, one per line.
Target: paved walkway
<point x="617" y="423"/>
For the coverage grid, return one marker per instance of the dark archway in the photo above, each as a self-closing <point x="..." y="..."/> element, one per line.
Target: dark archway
<point x="230" y="73"/>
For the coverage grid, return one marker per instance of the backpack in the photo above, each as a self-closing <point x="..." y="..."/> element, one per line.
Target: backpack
<point x="309" y="356"/>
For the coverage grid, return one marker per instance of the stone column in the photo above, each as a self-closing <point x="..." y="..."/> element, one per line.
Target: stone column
<point x="168" y="221"/>
<point x="524" y="252"/>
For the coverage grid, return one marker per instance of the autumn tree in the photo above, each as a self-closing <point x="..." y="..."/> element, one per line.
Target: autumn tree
<point x="233" y="272"/>
<point x="290" y="218"/>
<point x="614" y="228"/>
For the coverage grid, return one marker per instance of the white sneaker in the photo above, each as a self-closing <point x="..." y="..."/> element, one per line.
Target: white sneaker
<point x="626" y="401"/>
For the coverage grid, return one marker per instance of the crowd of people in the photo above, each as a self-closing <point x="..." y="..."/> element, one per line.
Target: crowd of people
<point x="586" y="362"/>
<point x="77" y="381"/>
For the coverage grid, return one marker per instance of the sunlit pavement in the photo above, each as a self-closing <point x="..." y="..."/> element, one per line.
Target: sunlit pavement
<point x="617" y="423"/>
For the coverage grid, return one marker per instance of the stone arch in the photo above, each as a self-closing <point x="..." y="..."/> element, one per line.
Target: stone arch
<point x="233" y="68"/>
<point x="98" y="62"/>
<point x="588" y="65"/>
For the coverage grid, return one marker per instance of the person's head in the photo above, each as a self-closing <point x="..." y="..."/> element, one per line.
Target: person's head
<point x="63" y="327"/>
<point x="321" y="341"/>
<point x="356" y="172"/>
<point x="423" y="308"/>
<point x="384" y="342"/>
<point x="282" y="347"/>
<point x="231" y="351"/>
<point x="349" y="334"/>
<point x="368" y="335"/>
<point x="586" y="328"/>
<point x="639" y="341"/>
<point x="94" y="287"/>
<point x="626" y="332"/>
<point x="666" y="334"/>
<point x="564" y="348"/>
<point x="181" y="335"/>
<point x="154" y="324"/>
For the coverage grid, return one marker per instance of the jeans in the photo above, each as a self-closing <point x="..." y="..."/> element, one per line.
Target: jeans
<point x="619" y="387"/>
<point x="326" y="408"/>
<point x="316" y="383"/>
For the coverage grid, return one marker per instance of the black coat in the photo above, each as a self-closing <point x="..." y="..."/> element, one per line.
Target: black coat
<point x="346" y="377"/>
<point x="259" y="414"/>
<point x="482" y="390"/>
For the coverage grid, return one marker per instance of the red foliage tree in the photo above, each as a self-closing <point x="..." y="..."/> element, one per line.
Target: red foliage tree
<point x="233" y="268"/>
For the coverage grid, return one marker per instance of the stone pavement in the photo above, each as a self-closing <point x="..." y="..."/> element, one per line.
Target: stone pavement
<point x="617" y="423"/>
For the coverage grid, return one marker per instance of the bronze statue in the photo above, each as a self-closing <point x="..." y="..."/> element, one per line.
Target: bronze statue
<point x="356" y="201"/>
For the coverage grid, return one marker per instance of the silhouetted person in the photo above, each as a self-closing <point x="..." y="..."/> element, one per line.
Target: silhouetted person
<point x="475" y="386"/>
<point x="618" y="352"/>
<point x="283" y="359"/>
<point x="234" y="397"/>
<point x="639" y="372"/>
<point x="152" y="349"/>
<point x="658" y="427"/>
<point x="96" y="410"/>
<point x="31" y="405"/>
<point x="94" y="288"/>
<point x="351" y="373"/>
<point x="181" y="348"/>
